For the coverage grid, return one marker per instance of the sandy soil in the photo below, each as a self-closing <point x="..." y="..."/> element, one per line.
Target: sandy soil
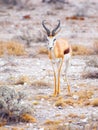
<point x="37" y="68"/>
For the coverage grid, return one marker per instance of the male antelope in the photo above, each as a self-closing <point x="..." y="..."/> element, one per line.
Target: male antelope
<point x="59" y="51"/>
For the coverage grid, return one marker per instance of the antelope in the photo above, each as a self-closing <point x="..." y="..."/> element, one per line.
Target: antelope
<point x="59" y="52"/>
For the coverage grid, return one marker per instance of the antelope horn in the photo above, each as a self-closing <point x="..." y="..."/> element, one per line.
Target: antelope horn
<point x="54" y="30"/>
<point x="47" y="30"/>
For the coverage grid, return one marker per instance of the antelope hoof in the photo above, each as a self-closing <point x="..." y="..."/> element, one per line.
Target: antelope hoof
<point x="54" y="94"/>
<point x="58" y="92"/>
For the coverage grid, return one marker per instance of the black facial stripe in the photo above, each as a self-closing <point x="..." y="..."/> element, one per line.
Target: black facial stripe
<point x="54" y="40"/>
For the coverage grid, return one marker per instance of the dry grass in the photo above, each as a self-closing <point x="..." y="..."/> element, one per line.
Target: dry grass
<point x="80" y="50"/>
<point x="94" y="102"/>
<point x="28" y="118"/>
<point x="2" y="128"/>
<point x="43" y="50"/>
<point x="83" y="98"/>
<point x="72" y="115"/>
<point x="39" y="83"/>
<point x="11" y="48"/>
<point x="95" y="46"/>
<point x="60" y="102"/>
<point x="39" y="97"/>
<point x="57" y="127"/>
<point x="85" y="94"/>
<point x="22" y="80"/>
<point x="69" y="101"/>
<point x="51" y="122"/>
<point x="16" y="128"/>
<point x="2" y="123"/>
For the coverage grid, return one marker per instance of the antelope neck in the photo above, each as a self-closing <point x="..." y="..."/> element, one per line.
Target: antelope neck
<point x="51" y="54"/>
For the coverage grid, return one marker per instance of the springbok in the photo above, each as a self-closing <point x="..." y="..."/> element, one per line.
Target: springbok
<point x="59" y="51"/>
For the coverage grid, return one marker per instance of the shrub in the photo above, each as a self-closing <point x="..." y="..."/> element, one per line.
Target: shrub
<point x="11" y="48"/>
<point x="80" y="50"/>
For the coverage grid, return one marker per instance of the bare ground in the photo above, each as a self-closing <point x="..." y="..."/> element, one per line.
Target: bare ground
<point x="76" y="111"/>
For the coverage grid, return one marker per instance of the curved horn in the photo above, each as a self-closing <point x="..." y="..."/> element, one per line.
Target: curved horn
<point x="54" y="30"/>
<point x="47" y="30"/>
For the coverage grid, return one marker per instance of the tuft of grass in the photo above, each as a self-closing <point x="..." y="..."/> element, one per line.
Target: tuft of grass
<point x="60" y="102"/>
<point x="11" y="48"/>
<point x="94" y="102"/>
<point x="69" y="102"/>
<point x="51" y="122"/>
<point x="38" y="83"/>
<point x="39" y="97"/>
<point x="72" y="115"/>
<point x="84" y="94"/>
<point x="22" y="80"/>
<point x="28" y="118"/>
<point x="80" y="50"/>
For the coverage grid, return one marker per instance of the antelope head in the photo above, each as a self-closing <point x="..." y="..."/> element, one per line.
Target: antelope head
<point x="51" y="34"/>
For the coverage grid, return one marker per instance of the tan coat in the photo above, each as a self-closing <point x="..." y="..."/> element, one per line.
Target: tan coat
<point x="60" y="49"/>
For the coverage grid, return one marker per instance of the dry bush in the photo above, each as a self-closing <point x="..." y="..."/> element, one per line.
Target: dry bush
<point x="13" y="105"/>
<point x="91" y="69"/>
<point x="80" y="50"/>
<point x="28" y="118"/>
<point x="91" y="75"/>
<point x="11" y="48"/>
<point x="30" y="36"/>
<point x="92" y="61"/>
